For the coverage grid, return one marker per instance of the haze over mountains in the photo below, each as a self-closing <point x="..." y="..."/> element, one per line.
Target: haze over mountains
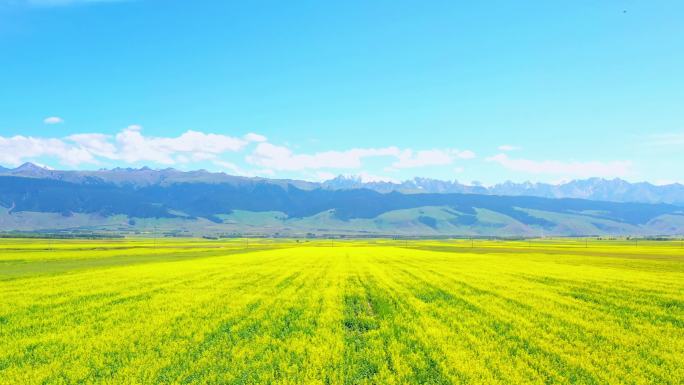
<point x="126" y="200"/>
<point x="612" y="190"/>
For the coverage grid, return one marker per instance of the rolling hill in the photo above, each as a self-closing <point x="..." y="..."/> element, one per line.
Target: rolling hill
<point x="199" y="203"/>
<point x="612" y="190"/>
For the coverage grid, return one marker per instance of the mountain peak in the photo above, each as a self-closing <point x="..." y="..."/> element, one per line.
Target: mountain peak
<point x="28" y="166"/>
<point x="31" y="169"/>
<point x="601" y="189"/>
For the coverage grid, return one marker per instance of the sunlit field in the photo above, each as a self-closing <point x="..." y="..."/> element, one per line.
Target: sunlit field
<point x="341" y="312"/>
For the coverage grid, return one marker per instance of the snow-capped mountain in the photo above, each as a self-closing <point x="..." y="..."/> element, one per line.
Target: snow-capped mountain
<point x="613" y="190"/>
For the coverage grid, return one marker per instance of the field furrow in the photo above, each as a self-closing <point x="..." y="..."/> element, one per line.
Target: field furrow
<point x="362" y="312"/>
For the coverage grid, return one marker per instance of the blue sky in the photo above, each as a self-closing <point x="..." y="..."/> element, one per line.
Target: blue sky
<point x="476" y="91"/>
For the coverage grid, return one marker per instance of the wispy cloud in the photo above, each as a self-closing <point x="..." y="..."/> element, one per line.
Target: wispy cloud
<point x="129" y="146"/>
<point x="436" y="157"/>
<point x="667" y="139"/>
<point x="15" y="150"/>
<point x="282" y="158"/>
<point x="62" y="3"/>
<point x="565" y="169"/>
<point x="132" y="146"/>
<point x="262" y="158"/>
<point x="252" y="137"/>
<point x="53" y="120"/>
<point x="508" y="147"/>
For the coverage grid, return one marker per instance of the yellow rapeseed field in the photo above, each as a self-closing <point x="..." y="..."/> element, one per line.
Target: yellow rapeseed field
<point x="341" y="312"/>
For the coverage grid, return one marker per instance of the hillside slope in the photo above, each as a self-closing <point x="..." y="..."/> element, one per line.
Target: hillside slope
<point x="261" y="207"/>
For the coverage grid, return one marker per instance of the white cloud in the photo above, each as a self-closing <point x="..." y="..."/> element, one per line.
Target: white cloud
<point x="566" y="169"/>
<point x="669" y="139"/>
<point x="53" y="120"/>
<point x="60" y="3"/>
<point x="133" y="146"/>
<point x="96" y="144"/>
<point x="282" y="158"/>
<point x="467" y="154"/>
<point x="14" y="150"/>
<point x="252" y="137"/>
<point x="129" y="145"/>
<point x="410" y="159"/>
<point x="17" y="149"/>
<point x="508" y="147"/>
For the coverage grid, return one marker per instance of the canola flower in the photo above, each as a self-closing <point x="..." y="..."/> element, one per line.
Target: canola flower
<point x="341" y="312"/>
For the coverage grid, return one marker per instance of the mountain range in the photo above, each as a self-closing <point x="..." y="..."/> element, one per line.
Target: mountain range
<point x="613" y="190"/>
<point x="130" y="201"/>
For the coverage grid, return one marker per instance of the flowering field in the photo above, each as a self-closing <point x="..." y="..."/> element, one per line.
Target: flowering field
<point x="352" y="312"/>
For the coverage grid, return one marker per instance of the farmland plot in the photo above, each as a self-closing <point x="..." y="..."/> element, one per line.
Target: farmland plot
<point x="362" y="312"/>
